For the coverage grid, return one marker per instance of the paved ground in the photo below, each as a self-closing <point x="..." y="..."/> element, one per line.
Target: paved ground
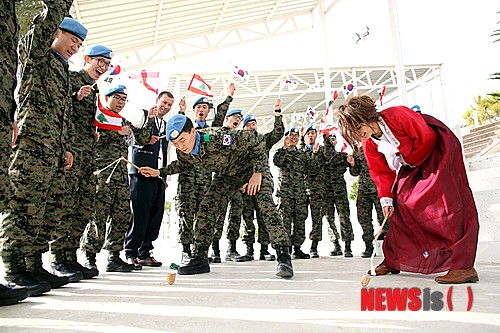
<point x="324" y="296"/>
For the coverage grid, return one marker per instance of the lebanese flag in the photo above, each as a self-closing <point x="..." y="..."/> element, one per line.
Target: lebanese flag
<point x="199" y="86"/>
<point x="148" y="79"/>
<point x="107" y="119"/>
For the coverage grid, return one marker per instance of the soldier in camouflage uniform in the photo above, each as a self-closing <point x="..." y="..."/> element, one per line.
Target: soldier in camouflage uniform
<point x="249" y="202"/>
<point x="112" y="205"/>
<point x="9" y="293"/>
<point x="241" y="157"/>
<point x="194" y="183"/>
<point x="366" y="199"/>
<point x="294" y="164"/>
<point x="80" y="181"/>
<point x="315" y="189"/>
<point x="42" y="149"/>
<point x="337" y="198"/>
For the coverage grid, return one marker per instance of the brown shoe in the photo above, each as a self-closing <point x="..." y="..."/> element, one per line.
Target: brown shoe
<point x="458" y="276"/>
<point x="383" y="269"/>
<point x="134" y="262"/>
<point x="149" y="261"/>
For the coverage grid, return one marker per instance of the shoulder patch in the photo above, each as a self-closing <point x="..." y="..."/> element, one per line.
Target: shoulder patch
<point x="206" y="137"/>
<point x="227" y="140"/>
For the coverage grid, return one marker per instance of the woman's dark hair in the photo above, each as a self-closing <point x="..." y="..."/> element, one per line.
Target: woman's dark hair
<point x="356" y="111"/>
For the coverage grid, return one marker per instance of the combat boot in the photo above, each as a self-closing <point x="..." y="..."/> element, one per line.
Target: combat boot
<point x="186" y="253"/>
<point x="197" y="265"/>
<point x="368" y="250"/>
<point x="90" y="261"/>
<point x="265" y="255"/>
<point x="231" y="251"/>
<point x="15" y="272"/>
<point x="285" y="267"/>
<point x="347" y="250"/>
<point x="247" y="256"/>
<point x="337" y="250"/>
<point x="61" y="267"/>
<point x="72" y="261"/>
<point x="215" y="256"/>
<point x="298" y="254"/>
<point x="11" y="293"/>
<point x="34" y="265"/>
<point x="116" y="264"/>
<point x="314" y="249"/>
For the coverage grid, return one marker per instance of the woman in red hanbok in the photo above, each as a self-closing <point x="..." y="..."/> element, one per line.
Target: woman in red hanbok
<point x="417" y="164"/>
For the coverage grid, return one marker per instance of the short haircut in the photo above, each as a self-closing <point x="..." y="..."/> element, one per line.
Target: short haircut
<point x="168" y="93"/>
<point x="188" y="125"/>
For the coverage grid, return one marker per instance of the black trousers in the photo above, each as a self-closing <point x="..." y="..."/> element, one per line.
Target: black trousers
<point x="148" y="201"/>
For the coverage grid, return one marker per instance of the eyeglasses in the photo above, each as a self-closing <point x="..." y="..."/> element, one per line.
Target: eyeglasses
<point x="102" y="63"/>
<point x="119" y="98"/>
<point x="237" y="116"/>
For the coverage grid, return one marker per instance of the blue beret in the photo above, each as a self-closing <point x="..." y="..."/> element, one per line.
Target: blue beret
<point x="98" y="50"/>
<point x="248" y="117"/>
<point x="234" y="111"/>
<point x="73" y="26"/>
<point x="175" y="125"/>
<point x="119" y="89"/>
<point x="310" y="128"/>
<point x="416" y="108"/>
<point x="293" y="129"/>
<point x="203" y="100"/>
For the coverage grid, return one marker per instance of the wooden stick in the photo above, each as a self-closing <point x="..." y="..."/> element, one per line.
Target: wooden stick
<point x="132" y="164"/>
<point x="365" y="279"/>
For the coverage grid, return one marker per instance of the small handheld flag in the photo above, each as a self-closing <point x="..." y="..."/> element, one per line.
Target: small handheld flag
<point x="242" y="74"/>
<point x="107" y="119"/>
<point x="348" y="88"/>
<point x="148" y="79"/>
<point x="381" y="93"/>
<point x="199" y="86"/>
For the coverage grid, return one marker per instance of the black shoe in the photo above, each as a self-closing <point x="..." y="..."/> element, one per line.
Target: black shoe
<point x="231" y="255"/>
<point x="298" y="254"/>
<point x="25" y="279"/>
<point x="88" y="273"/>
<point x="90" y="263"/>
<point x="65" y="270"/>
<point x="197" y="265"/>
<point x="267" y="256"/>
<point x="368" y="250"/>
<point x="337" y="250"/>
<point x="116" y="264"/>
<point x="55" y="281"/>
<point x="12" y="294"/>
<point x="347" y="250"/>
<point x="314" y="250"/>
<point x="285" y="267"/>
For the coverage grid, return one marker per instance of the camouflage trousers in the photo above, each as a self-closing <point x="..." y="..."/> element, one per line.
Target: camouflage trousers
<point x="365" y="203"/>
<point x="315" y="203"/>
<point x="187" y="203"/>
<point x="341" y="202"/>
<point x="294" y="214"/>
<point x="80" y="188"/>
<point x="249" y="207"/>
<point x="5" y="151"/>
<point x="235" y="205"/>
<point x="112" y="214"/>
<point x="33" y="217"/>
<point x="211" y="205"/>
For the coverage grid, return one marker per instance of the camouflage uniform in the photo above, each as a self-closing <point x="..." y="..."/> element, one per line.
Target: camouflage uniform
<point x="293" y="166"/>
<point x="316" y="194"/>
<point x="8" y="53"/>
<point x="367" y="198"/>
<point x="236" y="160"/>
<point x="337" y="194"/>
<point x="192" y="185"/>
<point x="80" y="181"/>
<point x="37" y="167"/>
<point x="249" y="202"/>
<point x="112" y="204"/>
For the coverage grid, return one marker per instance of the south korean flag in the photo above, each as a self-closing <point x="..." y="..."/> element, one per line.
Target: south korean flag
<point x="227" y="140"/>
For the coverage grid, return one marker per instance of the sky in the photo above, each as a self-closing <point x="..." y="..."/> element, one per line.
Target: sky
<point x="456" y="34"/>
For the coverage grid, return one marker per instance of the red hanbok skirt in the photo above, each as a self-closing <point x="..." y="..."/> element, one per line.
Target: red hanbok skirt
<point x="435" y="225"/>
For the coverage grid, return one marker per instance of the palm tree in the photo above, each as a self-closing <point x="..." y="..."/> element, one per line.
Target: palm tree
<point x="487" y="110"/>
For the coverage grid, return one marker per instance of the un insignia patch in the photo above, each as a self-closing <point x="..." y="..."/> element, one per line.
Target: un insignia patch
<point x="228" y="140"/>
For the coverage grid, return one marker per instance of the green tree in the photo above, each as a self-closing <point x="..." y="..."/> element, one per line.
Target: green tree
<point x="25" y="11"/>
<point x="487" y="109"/>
